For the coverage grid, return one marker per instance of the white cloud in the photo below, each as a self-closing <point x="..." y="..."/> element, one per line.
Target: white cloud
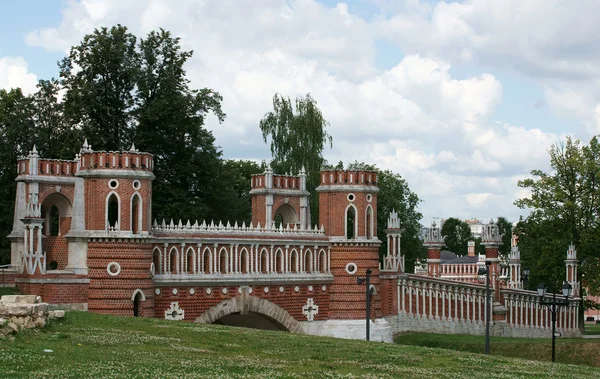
<point x="14" y="73"/>
<point x="416" y="118"/>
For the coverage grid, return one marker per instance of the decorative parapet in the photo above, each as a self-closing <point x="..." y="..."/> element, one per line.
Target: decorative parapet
<point x="393" y="220"/>
<point x="235" y="228"/>
<point x="572" y="253"/>
<point x="434" y="236"/>
<point x="491" y="234"/>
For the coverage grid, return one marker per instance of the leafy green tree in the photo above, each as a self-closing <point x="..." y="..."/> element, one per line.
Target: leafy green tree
<point x="505" y="228"/>
<point x="239" y="174"/>
<point x="298" y="136"/>
<point x="565" y="205"/>
<point x="100" y="76"/>
<point x="17" y="136"/>
<point x="458" y="234"/>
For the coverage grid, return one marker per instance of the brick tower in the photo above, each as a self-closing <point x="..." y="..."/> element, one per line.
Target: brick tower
<point x="117" y="206"/>
<point x="279" y="200"/>
<point x="347" y="211"/>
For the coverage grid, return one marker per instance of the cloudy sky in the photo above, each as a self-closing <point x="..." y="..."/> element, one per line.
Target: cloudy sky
<point x="462" y="99"/>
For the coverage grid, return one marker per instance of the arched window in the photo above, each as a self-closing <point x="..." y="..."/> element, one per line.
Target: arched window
<point x="157" y="261"/>
<point x="54" y="221"/>
<point x="174" y="261"/>
<point x="264" y="261"/>
<point x="138" y="298"/>
<point x="279" y="261"/>
<point x="308" y="264"/>
<point x="207" y="261"/>
<point x="136" y="213"/>
<point x="189" y="261"/>
<point x="244" y="261"/>
<point x="112" y="211"/>
<point x="284" y="215"/>
<point x="278" y="220"/>
<point x="223" y="261"/>
<point x="369" y="223"/>
<point x="294" y="261"/>
<point x="322" y="261"/>
<point x="350" y="222"/>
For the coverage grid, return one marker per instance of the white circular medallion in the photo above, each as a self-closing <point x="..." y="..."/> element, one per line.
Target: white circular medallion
<point x="369" y="198"/>
<point x="266" y="289"/>
<point x="324" y="288"/>
<point x="113" y="268"/>
<point x="224" y="290"/>
<point x="136" y="185"/>
<point x="310" y="288"/>
<point x="297" y="289"/>
<point x="174" y="290"/>
<point x="208" y="291"/>
<point x="192" y="291"/>
<point x="351" y="268"/>
<point x="157" y="291"/>
<point x="351" y="197"/>
<point x="250" y="290"/>
<point x="113" y="184"/>
<point x="281" y="289"/>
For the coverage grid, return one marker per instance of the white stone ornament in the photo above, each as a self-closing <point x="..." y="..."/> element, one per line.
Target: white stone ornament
<point x="310" y="309"/>
<point x="174" y="312"/>
<point x="266" y="289"/>
<point x="157" y="291"/>
<point x="324" y="288"/>
<point x="208" y="291"/>
<point x="297" y="289"/>
<point x="113" y="268"/>
<point x="192" y="291"/>
<point x="281" y="289"/>
<point x="224" y="290"/>
<point x="310" y="288"/>
<point x="174" y="291"/>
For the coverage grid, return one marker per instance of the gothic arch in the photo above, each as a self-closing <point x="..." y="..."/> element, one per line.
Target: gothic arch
<point x="279" y="261"/>
<point x="190" y="260"/>
<point x="351" y="222"/>
<point x="157" y="259"/>
<point x="369" y="222"/>
<point x="244" y="304"/>
<point x="294" y="262"/>
<point x="173" y="260"/>
<point x="63" y="206"/>
<point x="135" y="220"/>
<point x="109" y="201"/>
<point x="286" y="214"/>
<point x="207" y="260"/>
<point x="244" y="261"/>
<point x="223" y="260"/>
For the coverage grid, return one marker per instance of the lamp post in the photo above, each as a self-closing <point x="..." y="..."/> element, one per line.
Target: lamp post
<point x="553" y="305"/>
<point x="486" y="271"/>
<point x="367" y="281"/>
<point x="525" y="276"/>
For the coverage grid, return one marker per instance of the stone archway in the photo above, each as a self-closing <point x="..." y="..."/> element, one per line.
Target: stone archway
<point x="244" y="305"/>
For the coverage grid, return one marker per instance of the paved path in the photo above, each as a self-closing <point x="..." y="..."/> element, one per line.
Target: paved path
<point x="591" y="336"/>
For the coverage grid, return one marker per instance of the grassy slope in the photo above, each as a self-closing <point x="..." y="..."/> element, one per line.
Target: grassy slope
<point x="90" y="345"/>
<point x="592" y="329"/>
<point x="576" y="351"/>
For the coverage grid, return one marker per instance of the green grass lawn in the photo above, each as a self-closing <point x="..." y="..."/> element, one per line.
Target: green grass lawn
<point x="592" y="329"/>
<point x="90" y="345"/>
<point x="574" y="350"/>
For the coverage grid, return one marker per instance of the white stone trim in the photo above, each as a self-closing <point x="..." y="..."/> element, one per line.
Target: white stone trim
<point x="136" y="292"/>
<point x="139" y="215"/>
<point x="349" y="270"/>
<point x="110" y="266"/>
<point x="355" y="221"/>
<point x="107" y="225"/>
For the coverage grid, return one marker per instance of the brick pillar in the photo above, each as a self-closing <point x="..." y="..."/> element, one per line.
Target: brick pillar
<point x="571" y="266"/>
<point x="434" y="241"/>
<point x="492" y="240"/>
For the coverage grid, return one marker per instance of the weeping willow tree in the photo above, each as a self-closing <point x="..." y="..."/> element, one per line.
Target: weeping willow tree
<point x="298" y="136"/>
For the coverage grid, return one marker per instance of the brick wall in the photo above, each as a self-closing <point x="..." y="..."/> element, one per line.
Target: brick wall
<point x="199" y="302"/>
<point x="112" y="294"/>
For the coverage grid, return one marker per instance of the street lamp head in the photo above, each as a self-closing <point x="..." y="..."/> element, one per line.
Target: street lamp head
<point x="481" y="271"/>
<point x="541" y="290"/>
<point x="488" y="263"/>
<point x="567" y="289"/>
<point x="526" y="272"/>
<point x="360" y="280"/>
<point x="369" y="271"/>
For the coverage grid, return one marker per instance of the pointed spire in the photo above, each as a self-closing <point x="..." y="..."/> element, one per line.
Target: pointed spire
<point x="85" y="144"/>
<point x="179" y="225"/>
<point x="203" y="226"/>
<point x="133" y="149"/>
<point x="155" y="225"/>
<point x="188" y="225"/>
<point x="303" y="171"/>
<point x="34" y="151"/>
<point x="163" y="225"/>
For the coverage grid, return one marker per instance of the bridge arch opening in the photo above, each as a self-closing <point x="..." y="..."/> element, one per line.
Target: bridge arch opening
<point x="251" y="312"/>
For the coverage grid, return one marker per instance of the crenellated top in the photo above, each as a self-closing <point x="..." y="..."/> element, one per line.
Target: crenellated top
<point x="348" y="178"/>
<point x="282" y="182"/>
<point x="114" y="160"/>
<point x="86" y="160"/>
<point x="188" y="227"/>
